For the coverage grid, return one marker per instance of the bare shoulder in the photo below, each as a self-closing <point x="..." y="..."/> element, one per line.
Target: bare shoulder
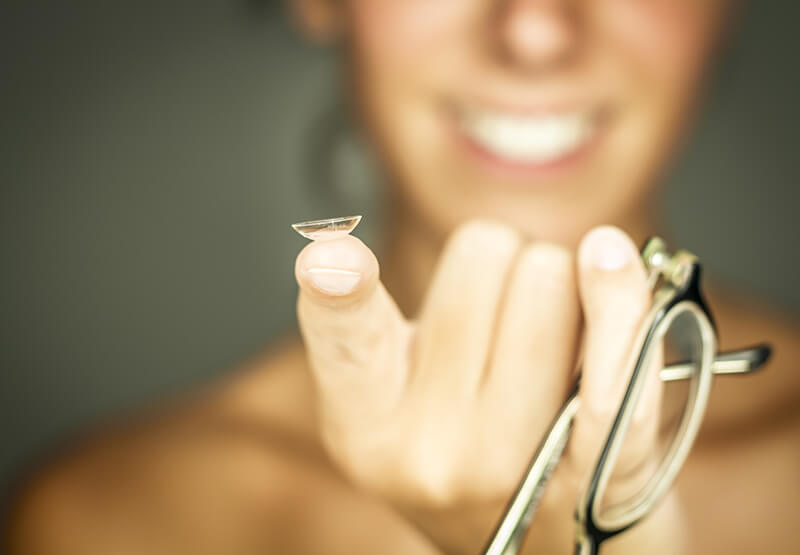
<point x="770" y="395"/>
<point x="233" y="468"/>
<point x="741" y="483"/>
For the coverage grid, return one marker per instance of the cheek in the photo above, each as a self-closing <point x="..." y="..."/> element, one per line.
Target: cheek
<point x="403" y="55"/>
<point x="399" y="33"/>
<point x="668" y="41"/>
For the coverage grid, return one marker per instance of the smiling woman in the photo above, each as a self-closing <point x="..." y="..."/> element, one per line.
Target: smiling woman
<point x="512" y="110"/>
<point x="521" y="142"/>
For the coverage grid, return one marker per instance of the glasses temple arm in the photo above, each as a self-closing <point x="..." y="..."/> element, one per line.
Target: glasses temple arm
<point x="742" y="361"/>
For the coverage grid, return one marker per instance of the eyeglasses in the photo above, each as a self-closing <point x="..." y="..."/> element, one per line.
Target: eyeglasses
<point x="679" y="320"/>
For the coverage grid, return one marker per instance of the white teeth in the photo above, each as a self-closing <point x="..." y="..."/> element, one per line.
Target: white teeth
<point x="534" y="139"/>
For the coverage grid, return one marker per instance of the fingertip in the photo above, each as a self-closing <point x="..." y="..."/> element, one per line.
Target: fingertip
<point x="611" y="271"/>
<point x="336" y="268"/>
<point x="606" y="248"/>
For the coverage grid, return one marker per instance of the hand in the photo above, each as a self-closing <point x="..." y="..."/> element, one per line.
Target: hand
<point x="441" y="415"/>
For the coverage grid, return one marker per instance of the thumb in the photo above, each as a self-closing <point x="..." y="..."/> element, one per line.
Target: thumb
<point x="355" y="336"/>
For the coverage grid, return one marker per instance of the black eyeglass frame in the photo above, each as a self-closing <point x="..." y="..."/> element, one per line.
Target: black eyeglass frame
<point x="680" y="277"/>
<point x="682" y="295"/>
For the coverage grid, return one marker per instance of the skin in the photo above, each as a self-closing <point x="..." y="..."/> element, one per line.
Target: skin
<point x="425" y="379"/>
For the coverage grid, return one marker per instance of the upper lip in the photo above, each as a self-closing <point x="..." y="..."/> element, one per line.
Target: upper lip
<point x="595" y="110"/>
<point x="525" y="110"/>
<point x="545" y="98"/>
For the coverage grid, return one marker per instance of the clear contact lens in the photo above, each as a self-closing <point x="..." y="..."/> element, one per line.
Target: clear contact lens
<point x="332" y="228"/>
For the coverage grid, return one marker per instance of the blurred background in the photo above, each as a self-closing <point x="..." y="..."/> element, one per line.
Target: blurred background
<point x="155" y="153"/>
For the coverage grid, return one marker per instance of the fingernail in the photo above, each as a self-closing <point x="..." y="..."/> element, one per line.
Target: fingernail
<point x="607" y="248"/>
<point x="333" y="281"/>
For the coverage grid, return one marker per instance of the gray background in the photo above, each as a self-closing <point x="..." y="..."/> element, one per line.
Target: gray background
<point x="154" y="154"/>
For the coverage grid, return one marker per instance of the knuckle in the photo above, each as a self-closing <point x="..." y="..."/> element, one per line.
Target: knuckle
<point x="625" y="317"/>
<point x="622" y="307"/>
<point x="419" y="470"/>
<point x="359" y="460"/>
<point x="429" y="462"/>
<point x="430" y="477"/>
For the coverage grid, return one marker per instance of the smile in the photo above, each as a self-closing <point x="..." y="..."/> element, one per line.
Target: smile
<point x="529" y="139"/>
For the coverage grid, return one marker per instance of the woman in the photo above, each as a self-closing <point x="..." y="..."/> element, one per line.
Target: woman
<point x="521" y="140"/>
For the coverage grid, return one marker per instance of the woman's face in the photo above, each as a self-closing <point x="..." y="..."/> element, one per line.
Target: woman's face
<point x="552" y="115"/>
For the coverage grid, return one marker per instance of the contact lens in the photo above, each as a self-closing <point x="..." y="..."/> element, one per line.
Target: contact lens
<point x="332" y="228"/>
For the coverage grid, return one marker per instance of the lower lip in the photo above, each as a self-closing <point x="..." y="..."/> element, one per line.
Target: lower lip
<point x="498" y="164"/>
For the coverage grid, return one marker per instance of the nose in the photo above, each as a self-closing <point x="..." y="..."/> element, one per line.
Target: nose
<point x="537" y="33"/>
